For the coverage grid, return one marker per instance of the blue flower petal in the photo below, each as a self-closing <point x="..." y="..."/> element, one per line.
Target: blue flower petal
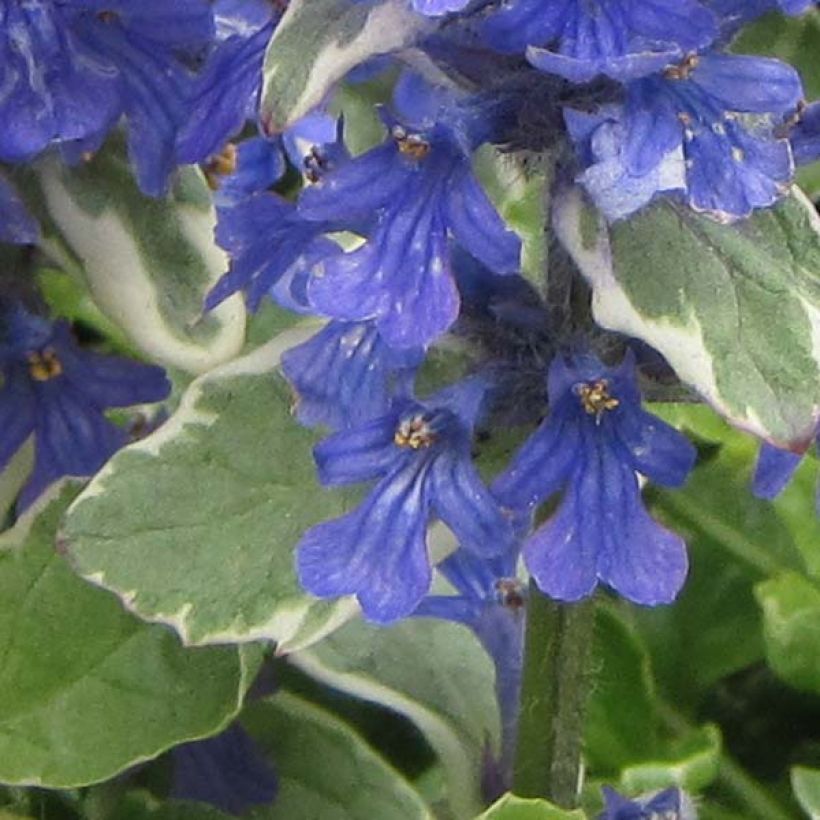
<point x="17" y="226"/>
<point x="774" y="470"/>
<point x="749" y="84"/>
<point x="658" y="450"/>
<point x="224" y="95"/>
<point x="344" y="374"/>
<point x="541" y="467"/>
<point x="357" y="188"/>
<point x="228" y="771"/>
<point x="377" y="552"/>
<point x="360" y="454"/>
<point x="476" y="225"/>
<point x="16" y="413"/>
<point x="466" y="506"/>
<point x="562" y="555"/>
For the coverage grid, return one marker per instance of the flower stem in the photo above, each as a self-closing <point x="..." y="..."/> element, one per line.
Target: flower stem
<point x="553" y="696"/>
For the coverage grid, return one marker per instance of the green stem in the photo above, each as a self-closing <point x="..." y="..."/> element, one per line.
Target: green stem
<point x="554" y="689"/>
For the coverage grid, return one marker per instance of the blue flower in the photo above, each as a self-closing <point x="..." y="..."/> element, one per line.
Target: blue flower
<point x="805" y="136"/>
<point x="227" y="770"/>
<point x="71" y="70"/>
<point x="271" y="249"/>
<point x="416" y="190"/>
<point x="601" y="139"/>
<point x="490" y="601"/>
<point x="419" y="453"/>
<point x="58" y="393"/>
<point x="623" y="39"/>
<point x="17" y="226"/>
<point x="226" y="92"/>
<point x="774" y="470"/>
<point x="346" y="375"/>
<point x="593" y="443"/>
<point x="313" y="145"/>
<point x="669" y="804"/>
<point x="436" y="8"/>
<point x="723" y="114"/>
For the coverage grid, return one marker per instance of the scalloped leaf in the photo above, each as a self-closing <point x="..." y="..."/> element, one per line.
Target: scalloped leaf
<point x="88" y="690"/>
<point x="148" y="263"/>
<point x="195" y="525"/>
<point x="735" y="309"/>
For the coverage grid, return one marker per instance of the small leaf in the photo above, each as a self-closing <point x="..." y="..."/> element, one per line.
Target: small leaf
<point x="195" y="525"/>
<point x="325" y="769"/>
<point x="318" y="41"/>
<point x="735" y="309"/>
<point x="148" y="263"/>
<point x="791" y="629"/>
<point x="434" y="673"/>
<point x="806" y="788"/>
<point x="511" y="807"/>
<point x="692" y="764"/>
<point x="89" y="690"/>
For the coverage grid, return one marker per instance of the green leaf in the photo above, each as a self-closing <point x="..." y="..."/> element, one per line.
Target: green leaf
<point x="318" y="41"/>
<point x="141" y="805"/>
<point x="434" y="673"/>
<point x="692" y="763"/>
<point x="325" y="769"/>
<point x="806" y="788"/>
<point x="511" y="807"/>
<point x="620" y="725"/>
<point x="195" y="525"/>
<point x="791" y="628"/>
<point x="734" y="540"/>
<point x="147" y="263"/>
<point x="13" y="478"/>
<point x="88" y="690"/>
<point x="735" y="309"/>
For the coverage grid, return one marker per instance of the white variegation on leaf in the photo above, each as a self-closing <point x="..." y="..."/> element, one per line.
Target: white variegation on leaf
<point x="436" y="674"/>
<point x="318" y="41"/>
<point x="148" y="263"/>
<point x="195" y="525"/>
<point x="735" y="309"/>
<point x="89" y="690"/>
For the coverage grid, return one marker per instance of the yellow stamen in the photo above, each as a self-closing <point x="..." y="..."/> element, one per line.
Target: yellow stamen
<point x="414" y="433"/>
<point x="595" y="397"/>
<point x="221" y="165"/>
<point x="44" y="365"/>
<point x="682" y="70"/>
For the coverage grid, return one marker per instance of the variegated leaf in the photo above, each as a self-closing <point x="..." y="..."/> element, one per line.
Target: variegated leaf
<point x="735" y="309"/>
<point x="318" y="41"/>
<point x="195" y="525"/>
<point x="148" y="263"/>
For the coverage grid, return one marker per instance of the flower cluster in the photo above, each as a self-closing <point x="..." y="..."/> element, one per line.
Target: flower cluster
<point x="57" y="393"/>
<point x="403" y="251"/>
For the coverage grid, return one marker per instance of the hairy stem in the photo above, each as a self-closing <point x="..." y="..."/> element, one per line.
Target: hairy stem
<point x="553" y="696"/>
